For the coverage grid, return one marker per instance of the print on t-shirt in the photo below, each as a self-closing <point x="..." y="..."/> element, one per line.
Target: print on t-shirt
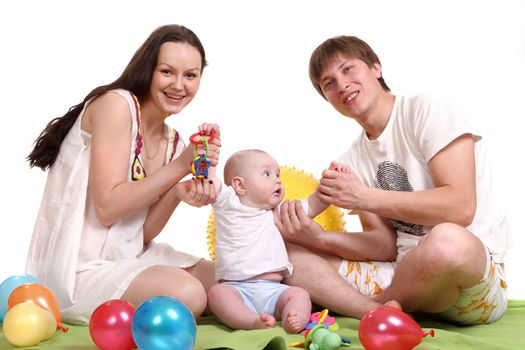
<point x="392" y="177"/>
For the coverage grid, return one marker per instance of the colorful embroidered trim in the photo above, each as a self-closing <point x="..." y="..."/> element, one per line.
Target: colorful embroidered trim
<point x="137" y="169"/>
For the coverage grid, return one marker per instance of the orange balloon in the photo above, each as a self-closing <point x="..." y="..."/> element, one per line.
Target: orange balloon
<point x="36" y="294"/>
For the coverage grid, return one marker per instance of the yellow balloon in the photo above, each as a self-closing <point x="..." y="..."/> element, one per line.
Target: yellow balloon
<point x="51" y="326"/>
<point x="27" y="324"/>
<point x="297" y="185"/>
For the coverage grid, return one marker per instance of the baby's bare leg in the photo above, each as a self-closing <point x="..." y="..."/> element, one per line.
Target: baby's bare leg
<point x="227" y="305"/>
<point x="294" y="306"/>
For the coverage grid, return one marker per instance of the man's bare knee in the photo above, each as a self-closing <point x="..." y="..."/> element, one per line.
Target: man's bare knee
<point x="452" y="251"/>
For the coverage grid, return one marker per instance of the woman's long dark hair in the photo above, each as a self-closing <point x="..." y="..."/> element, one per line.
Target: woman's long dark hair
<point x="136" y="78"/>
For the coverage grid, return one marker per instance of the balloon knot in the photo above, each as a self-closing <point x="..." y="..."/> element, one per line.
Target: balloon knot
<point x="430" y="332"/>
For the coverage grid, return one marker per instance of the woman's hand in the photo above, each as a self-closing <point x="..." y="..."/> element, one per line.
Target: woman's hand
<point x="295" y="225"/>
<point x="196" y="192"/>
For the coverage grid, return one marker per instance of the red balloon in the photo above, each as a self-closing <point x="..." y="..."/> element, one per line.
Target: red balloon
<point x="389" y="328"/>
<point x="110" y="325"/>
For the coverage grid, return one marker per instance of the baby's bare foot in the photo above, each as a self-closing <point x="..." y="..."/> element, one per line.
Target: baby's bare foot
<point x="264" y="321"/>
<point x="292" y="323"/>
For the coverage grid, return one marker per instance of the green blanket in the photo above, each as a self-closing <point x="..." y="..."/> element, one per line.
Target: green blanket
<point x="507" y="333"/>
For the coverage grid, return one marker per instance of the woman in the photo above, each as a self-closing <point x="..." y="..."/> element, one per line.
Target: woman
<point x="115" y="171"/>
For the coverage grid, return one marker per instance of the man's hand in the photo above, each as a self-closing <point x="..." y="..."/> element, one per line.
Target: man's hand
<point x="295" y="226"/>
<point x="342" y="188"/>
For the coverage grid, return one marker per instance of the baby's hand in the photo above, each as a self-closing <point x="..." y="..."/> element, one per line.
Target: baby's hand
<point x="215" y="145"/>
<point x="208" y="128"/>
<point x="339" y="167"/>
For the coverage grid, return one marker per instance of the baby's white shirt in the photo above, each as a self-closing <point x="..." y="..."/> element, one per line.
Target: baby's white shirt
<point x="247" y="241"/>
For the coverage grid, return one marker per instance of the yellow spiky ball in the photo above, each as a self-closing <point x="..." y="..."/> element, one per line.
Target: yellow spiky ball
<point x="298" y="185"/>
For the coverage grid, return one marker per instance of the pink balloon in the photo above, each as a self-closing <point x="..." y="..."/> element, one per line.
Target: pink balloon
<point x="389" y="328"/>
<point x="110" y="325"/>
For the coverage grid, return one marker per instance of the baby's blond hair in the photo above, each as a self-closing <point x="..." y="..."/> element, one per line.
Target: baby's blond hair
<point x="233" y="166"/>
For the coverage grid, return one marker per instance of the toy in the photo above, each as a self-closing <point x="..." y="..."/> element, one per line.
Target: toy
<point x="7" y="287"/>
<point x="163" y="322"/>
<point x="27" y="324"/>
<point x="110" y="325"/>
<point x="387" y="327"/>
<point x="319" y="337"/>
<point x="200" y="164"/>
<point x="323" y="339"/>
<point x="39" y="295"/>
<point x="328" y="322"/>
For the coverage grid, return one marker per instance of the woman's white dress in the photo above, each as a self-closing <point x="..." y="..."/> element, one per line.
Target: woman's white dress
<point x="83" y="262"/>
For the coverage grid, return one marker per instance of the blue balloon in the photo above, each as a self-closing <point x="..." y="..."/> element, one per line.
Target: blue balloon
<point x="163" y="323"/>
<point x="8" y="286"/>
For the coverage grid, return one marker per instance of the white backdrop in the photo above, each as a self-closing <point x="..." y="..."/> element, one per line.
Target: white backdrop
<point x="256" y="86"/>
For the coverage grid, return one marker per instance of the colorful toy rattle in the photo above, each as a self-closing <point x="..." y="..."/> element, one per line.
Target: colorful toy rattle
<point x="319" y="337"/>
<point x="328" y="322"/>
<point x="200" y="165"/>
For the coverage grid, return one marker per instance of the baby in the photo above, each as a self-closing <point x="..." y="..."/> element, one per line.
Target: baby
<point x="251" y="255"/>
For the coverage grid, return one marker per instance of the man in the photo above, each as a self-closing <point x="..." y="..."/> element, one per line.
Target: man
<point x="434" y="237"/>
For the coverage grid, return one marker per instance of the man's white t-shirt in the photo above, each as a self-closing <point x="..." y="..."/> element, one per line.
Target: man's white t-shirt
<point x="397" y="160"/>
